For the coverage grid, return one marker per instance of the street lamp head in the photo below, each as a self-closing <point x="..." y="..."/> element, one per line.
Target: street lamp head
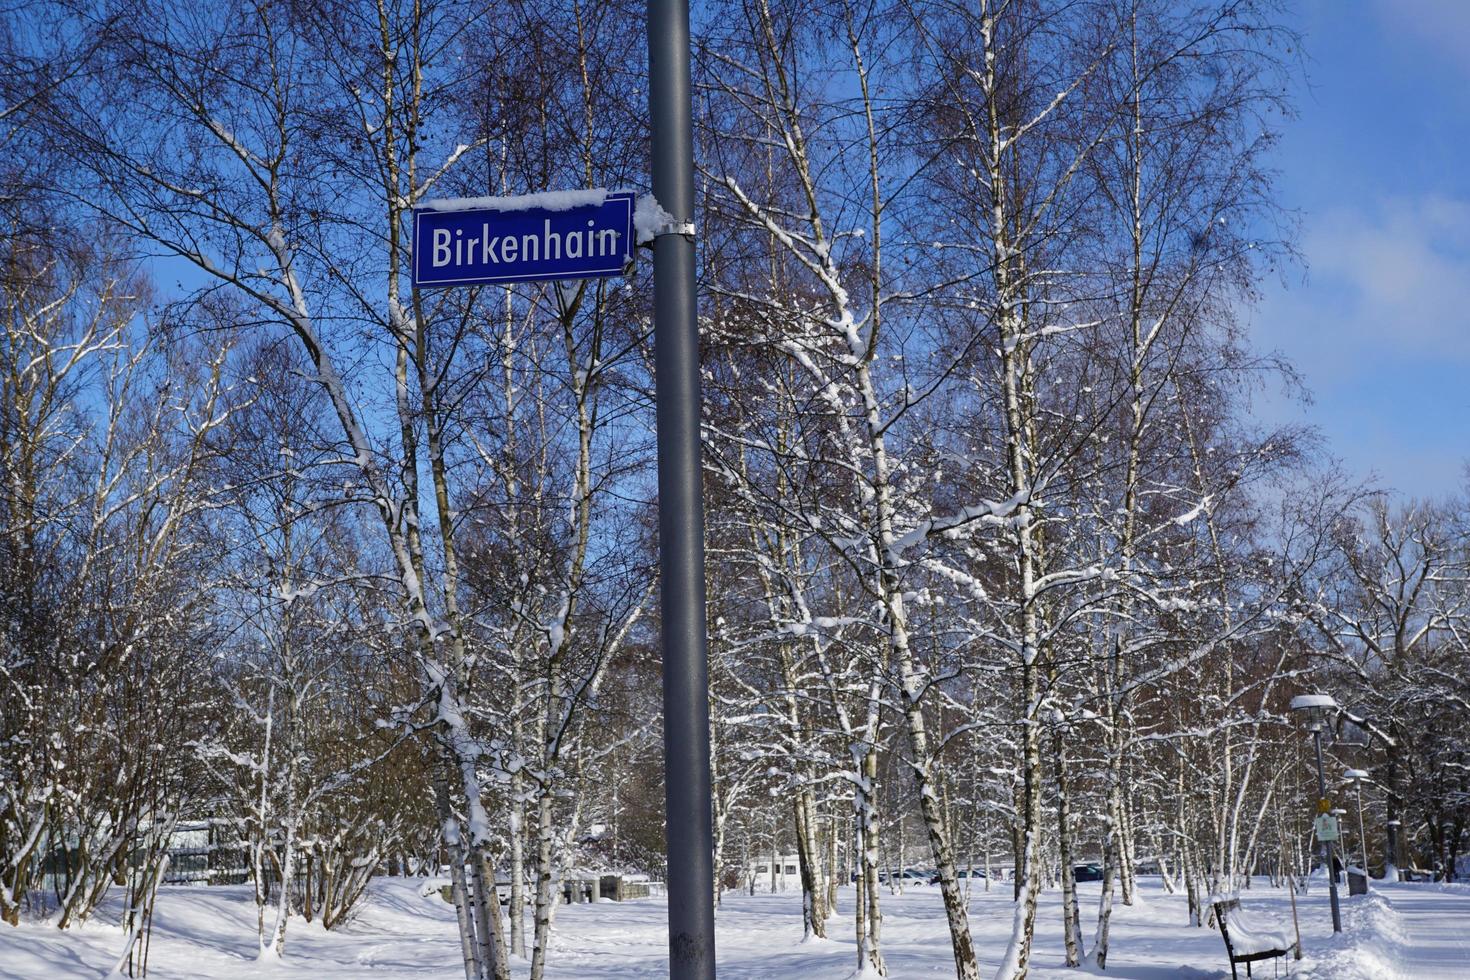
<point x="1356" y="775"/>
<point x="1317" y="709"/>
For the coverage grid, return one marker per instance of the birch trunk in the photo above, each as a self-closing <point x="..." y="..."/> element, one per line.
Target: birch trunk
<point x="517" y="867"/>
<point x="813" y="891"/>
<point x="495" y="930"/>
<point x="469" y="949"/>
<point x="545" y="892"/>
<point x="1071" y="916"/>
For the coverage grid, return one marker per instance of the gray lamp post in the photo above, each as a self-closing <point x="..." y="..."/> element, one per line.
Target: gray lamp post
<point x="687" y="794"/>
<point x="1319" y="710"/>
<point x="1358" y="777"/>
<point x="1393" y="873"/>
<point x="1361" y="731"/>
<point x="1340" y="813"/>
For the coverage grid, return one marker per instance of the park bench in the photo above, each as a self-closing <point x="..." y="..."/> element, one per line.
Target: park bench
<point x="1245" y="941"/>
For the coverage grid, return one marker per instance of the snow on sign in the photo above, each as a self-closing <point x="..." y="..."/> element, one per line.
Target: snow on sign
<point x="554" y="235"/>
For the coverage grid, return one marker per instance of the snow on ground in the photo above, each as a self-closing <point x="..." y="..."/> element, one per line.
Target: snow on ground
<point x="1417" y="932"/>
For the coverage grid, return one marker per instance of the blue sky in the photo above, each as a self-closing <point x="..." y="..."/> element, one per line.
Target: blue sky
<point x="1377" y="167"/>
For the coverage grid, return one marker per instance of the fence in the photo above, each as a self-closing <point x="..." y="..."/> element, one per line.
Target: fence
<point x="207" y="852"/>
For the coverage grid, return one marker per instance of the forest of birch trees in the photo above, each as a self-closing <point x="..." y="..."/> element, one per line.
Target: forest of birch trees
<point x="1006" y="570"/>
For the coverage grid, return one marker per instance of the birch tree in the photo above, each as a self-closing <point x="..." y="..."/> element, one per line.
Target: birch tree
<point x="229" y="176"/>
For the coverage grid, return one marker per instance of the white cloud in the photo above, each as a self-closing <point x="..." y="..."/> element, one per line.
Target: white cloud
<point x="1381" y="333"/>
<point x="1397" y="274"/>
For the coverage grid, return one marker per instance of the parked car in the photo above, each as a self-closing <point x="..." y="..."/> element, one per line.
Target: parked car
<point x="907" y="876"/>
<point x="960" y="873"/>
<point x="1087" y="872"/>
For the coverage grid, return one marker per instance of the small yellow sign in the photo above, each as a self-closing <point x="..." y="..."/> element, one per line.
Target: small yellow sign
<point x="1324" y="805"/>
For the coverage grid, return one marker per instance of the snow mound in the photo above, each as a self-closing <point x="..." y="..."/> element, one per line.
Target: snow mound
<point x="1371" y="946"/>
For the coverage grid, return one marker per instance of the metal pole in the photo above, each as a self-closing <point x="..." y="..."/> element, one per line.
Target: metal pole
<point x="687" y="792"/>
<point x="1362" y="837"/>
<point x="1327" y="845"/>
<point x="1390" y="808"/>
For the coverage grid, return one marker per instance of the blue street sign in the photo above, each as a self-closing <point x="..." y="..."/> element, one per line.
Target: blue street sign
<point x="579" y="235"/>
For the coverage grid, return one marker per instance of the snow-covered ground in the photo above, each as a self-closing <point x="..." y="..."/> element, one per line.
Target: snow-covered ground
<point x="1417" y="932"/>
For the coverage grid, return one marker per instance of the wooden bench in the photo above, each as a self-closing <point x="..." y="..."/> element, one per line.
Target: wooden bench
<point x="1246" y="942"/>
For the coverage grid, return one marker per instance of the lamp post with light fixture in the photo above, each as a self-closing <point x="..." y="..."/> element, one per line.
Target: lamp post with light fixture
<point x="1358" y="777"/>
<point x="1319" y="710"/>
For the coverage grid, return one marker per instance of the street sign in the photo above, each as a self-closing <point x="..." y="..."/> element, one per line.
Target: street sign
<point x="1326" y="827"/>
<point x="558" y="235"/>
